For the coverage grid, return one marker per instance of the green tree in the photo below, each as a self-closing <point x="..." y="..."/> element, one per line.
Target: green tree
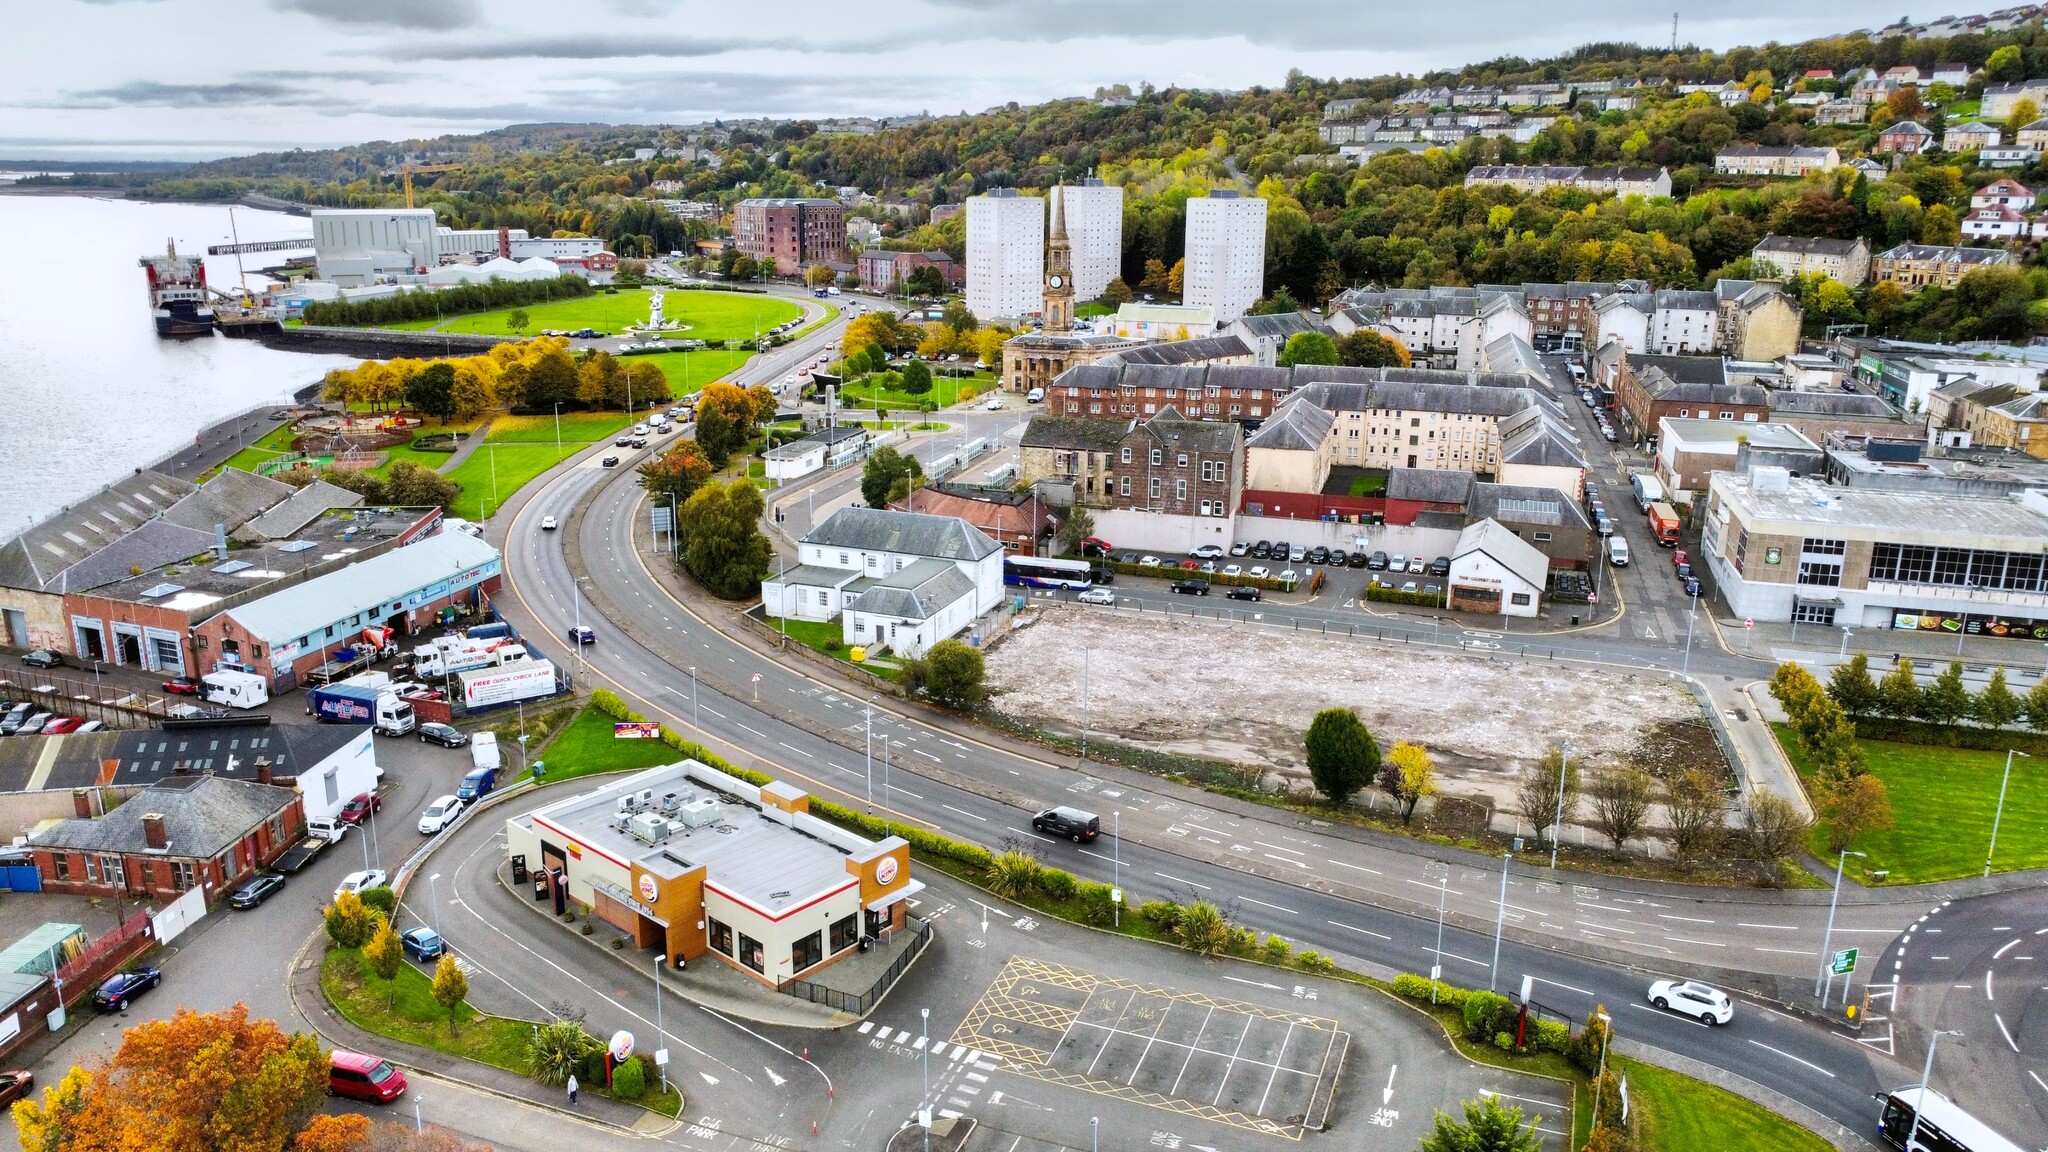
<point x="1946" y="701"/>
<point x="1488" y="1126"/>
<point x="1940" y="224"/>
<point x="1899" y="693"/>
<point x="1078" y="526"/>
<point x="1342" y="755"/>
<point x="349" y="924"/>
<point x="1854" y="805"/>
<point x="917" y="379"/>
<point x="1308" y="348"/>
<point x="2024" y="112"/>
<point x="924" y="280"/>
<point x="1794" y="688"/>
<point x="951" y="673"/>
<point x="432" y="390"/>
<point x="955" y="315"/>
<point x="1366" y="348"/>
<point x="382" y="899"/>
<point x="722" y="542"/>
<point x="2005" y="65"/>
<point x="1997" y="707"/>
<point x="818" y="275"/>
<point x="885" y="468"/>
<point x="551" y="379"/>
<point x="413" y="485"/>
<point x="629" y="1080"/>
<point x="451" y="987"/>
<point x="2037" y="707"/>
<point x="555" y="1050"/>
<point x="1852" y="688"/>
<point x="518" y="320"/>
<point x="1116" y="293"/>
<point x="715" y="435"/>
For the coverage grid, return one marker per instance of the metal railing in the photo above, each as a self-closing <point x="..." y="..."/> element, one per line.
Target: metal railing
<point x="860" y="1004"/>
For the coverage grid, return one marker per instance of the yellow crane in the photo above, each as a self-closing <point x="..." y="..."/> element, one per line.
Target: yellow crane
<point x="409" y="169"/>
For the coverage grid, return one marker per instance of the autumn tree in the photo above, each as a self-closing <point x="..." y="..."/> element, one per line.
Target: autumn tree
<point x="1342" y="755"/>
<point x="1793" y="687"/>
<point x="349" y="924"/>
<point x="1366" y="348"/>
<point x="1537" y="798"/>
<point x="647" y="383"/>
<point x="1904" y="104"/>
<point x="725" y="421"/>
<point x="451" y="987"/>
<point x="551" y="379"/>
<point x="818" y="276"/>
<point x="1176" y="276"/>
<point x="1940" y="224"/>
<point x="722" y="542"/>
<point x="1852" y="688"/>
<point x="601" y="381"/>
<point x="216" y="1082"/>
<point x="675" y="475"/>
<point x="1898" y="695"/>
<point x="1621" y="803"/>
<point x="1408" y="775"/>
<point x="384" y="954"/>
<point x="1854" y="805"/>
<point x="2024" y="112"/>
<point x="327" y="1133"/>
<point x="1154" y="279"/>
<point x="1694" y="804"/>
<point x="1771" y="831"/>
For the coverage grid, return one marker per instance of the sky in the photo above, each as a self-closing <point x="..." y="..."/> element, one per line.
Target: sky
<point x="195" y="79"/>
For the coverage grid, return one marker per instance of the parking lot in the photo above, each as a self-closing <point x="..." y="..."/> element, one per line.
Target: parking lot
<point x="1234" y="1063"/>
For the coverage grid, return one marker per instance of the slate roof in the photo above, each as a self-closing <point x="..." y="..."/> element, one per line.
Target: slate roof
<point x="1526" y="504"/>
<point x="1005" y="516"/>
<point x="1948" y="253"/>
<point x="293" y="612"/>
<point x="1299" y="425"/>
<point x="1506" y="549"/>
<point x="232" y="498"/>
<point x="300" y="509"/>
<point x="814" y="576"/>
<point x="1664" y="389"/>
<point x="1213" y="437"/>
<point x="1535" y="438"/>
<point x="1073" y="433"/>
<point x="1278" y="325"/>
<point x="1807" y="245"/>
<point x="1429" y="485"/>
<point x="1195" y="351"/>
<point x="203" y="817"/>
<point x="1684" y="369"/>
<point x="1831" y="404"/>
<point x="885" y="530"/>
<point x="917" y="591"/>
<point x="37" y="559"/>
<point x="1675" y="299"/>
<point x="81" y="760"/>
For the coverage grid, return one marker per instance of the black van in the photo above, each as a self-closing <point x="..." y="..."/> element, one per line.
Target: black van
<point x="1070" y="823"/>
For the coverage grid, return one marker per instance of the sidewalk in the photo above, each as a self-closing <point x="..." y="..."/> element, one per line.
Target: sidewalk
<point x="469" y="444"/>
<point x="304" y="986"/>
<point x="214" y="445"/>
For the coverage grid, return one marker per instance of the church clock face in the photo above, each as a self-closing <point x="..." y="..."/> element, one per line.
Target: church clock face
<point x="1056" y="281"/>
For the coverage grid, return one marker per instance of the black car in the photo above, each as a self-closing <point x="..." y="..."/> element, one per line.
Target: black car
<point x="1359" y="559"/>
<point x="1319" y="555"/>
<point x="639" y="441"/>
<point x="1377" y="561"/>
<point x="1692" y="585"/>
<point x="1281" y="549"/>
<point x="1191" y="587"/>
<point x="1338" y="558"/>
<point x="43" y="658"/>
<point x="447" y="736"/>
<point x="1441" y="566"/>
<point x="1242" y="592"/>
<point x="256" y="891"/>
<point x="124" y="987"/>
<point x="1684" y="572"/>
<point x="1263" y="550"/>
<point x="1101" y="576"/>
<point x="1068" y="823"/>
<point x="622" y="442"/>
<point x="581" y="635"/>
<point x="611" y="461"/>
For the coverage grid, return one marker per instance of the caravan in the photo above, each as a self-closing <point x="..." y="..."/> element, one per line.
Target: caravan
<point x="234" y="689"/>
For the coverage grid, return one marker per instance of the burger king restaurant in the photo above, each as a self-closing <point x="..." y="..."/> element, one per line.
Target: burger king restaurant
<point x="688" y="860"/>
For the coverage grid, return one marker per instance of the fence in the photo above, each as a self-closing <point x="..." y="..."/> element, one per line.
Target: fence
<point x="80" y="975"/>
<point x="72" y="694"/>
<point x="181" y="914"/>
<point x="860" y="1004"/>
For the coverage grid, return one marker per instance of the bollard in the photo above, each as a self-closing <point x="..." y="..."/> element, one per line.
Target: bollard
<point x="814" y="1127"/>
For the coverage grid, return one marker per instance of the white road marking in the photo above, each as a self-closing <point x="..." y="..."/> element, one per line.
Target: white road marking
<point x="1357" y="867"/>
<point x="1795" y="1059"/>
<point x="1360" y="931"/>
<point x="1274" y="907"/>
<point x="1178" y="880"/>
<point x="2003" y="1031"/>
<point x="797" y="750"/>
<point x="1790" y="951"/>
<point x="1683" y="940"/>
<point x="1687" y="919"/>
<point x="969" y="815"/>
<point x="1778" y="927"/>
<point x="2000" y="954"/>
<point x="1566" y="987"/>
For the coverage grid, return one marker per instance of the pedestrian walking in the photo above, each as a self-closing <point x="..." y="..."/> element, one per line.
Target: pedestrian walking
<point x="572" y="1088"/>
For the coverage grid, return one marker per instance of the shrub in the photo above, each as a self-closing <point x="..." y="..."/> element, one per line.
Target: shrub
<point x="1313" y="961"/>
<point x="1486" y="1013"/>
<point x="1242" y="941"/>
<point x="381" y="898"/>
<point x="1096" y="907"/>
<point x="1277" y="950"/>
<point x="1013" y="874"/>
<point x="588" y="928"/>
<point x="629" y="1081"/>
<point x="1505" y="1041"/>
<point x="349" y="924"/>
<point x="1057" y="883"/>
<point x="1548" y="1035"/>
<point x="1412" y="987"/>
<point x="557" y="1048"/>
<point x="1201" y="929"/>
<point x="1161" y="914"/>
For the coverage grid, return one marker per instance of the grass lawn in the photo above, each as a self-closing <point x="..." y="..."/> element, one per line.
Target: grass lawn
<point x="710" y="315"/>
<point x="577" y="427"/>
<point x="946" y="391"/>
<point x="1093" y="309"/>
<point x="688" y="372"/>
<point x="269" y="446"/>
<point x="405" y="1010"/>
<point x="1368" y="485"/>
<point x="587" y="746"/>
<point x="1681" y="1114"/>
<point x="824" y="636"/>
<point x="1942" y="802"/>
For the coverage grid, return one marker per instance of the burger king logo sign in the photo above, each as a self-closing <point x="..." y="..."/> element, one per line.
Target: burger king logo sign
<point x="885" y="870"/>
<point x="648" y="890"/>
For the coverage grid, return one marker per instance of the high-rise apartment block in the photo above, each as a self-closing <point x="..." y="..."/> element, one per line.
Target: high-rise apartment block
<point x="1005" y="254"/>
<point x="793" y="232"/>
<point x="1095" y="228"/>
<point x="1226" y="253"/>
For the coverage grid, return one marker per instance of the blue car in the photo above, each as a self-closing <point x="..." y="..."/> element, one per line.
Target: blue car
<point x="422" y="944"/>
<point x="124" y="987"/>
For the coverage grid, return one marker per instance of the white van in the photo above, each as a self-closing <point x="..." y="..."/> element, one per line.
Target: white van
<point x="1035" y="396"/>
<point x="1617" y="551"/>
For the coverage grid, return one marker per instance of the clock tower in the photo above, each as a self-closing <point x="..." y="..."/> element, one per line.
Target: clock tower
<point x="1059" y="271"/>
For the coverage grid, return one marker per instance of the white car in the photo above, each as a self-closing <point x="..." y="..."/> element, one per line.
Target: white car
<point x="1148" y="561"/>
<point x="995" y="404"/>
<point x="1289" y="577"/>
<point x="1233" y="570"/>
<point x="1097" y="596"/>
<point x="547" y="524"/>
<point x="1259" y="572"/>
<point x="1397" y="563"/>
<point x="357" y="881"/>
<point x="1691" y="998"/>
<point x="1207" y="552"/>
<point x="440" y="814"/>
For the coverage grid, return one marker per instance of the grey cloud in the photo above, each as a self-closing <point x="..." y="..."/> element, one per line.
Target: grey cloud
<point x="152" y="94"/>
<point x="572" y="46"/>
<point x="433" y="15"/>
<point x="683" y="99"/>
<point x="641" y="7"/>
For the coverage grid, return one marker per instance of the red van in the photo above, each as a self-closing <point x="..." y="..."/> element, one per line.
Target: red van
<point x="361" y="1077"/>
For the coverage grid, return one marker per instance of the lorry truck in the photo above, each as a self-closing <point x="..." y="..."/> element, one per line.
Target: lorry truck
<point x="363" y="700"/>
<point x="1664" y="524"/>
<point x="234" y="689"/>
<point x="452" y="654"/>
<point x="1648" y="489"/>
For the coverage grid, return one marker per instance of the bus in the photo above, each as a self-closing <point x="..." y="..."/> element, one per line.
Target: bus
<point x="1046" y="572"/>
<point x="1944" y="1127"/>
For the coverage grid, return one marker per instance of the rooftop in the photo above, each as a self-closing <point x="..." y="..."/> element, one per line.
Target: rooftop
<point x="1990" y="523"/>
<point x="886" y="530"/>
<point x="301" y="608"/>
<point x="917" y="591"/>
<point x="1505" y="548"/>
<point x="203" y="816"/>
<point x="1706" y="433"/>
<point x="1073" y="433"/>
<point x="129" y="759"/>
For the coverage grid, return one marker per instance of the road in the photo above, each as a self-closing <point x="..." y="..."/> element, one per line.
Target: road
<point x="692" y="676"/>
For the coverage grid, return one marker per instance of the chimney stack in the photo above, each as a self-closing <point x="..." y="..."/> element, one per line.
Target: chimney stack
<point x="263" y="769"/>
<point x="220" y="540"/>
<point x="153" y="833"/>
<point x="81" y="803"/>
<point x="181" y="768"/>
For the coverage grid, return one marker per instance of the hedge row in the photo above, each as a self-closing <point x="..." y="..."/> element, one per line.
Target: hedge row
<point x="1171" y="571"/>
<point x="1490" y="1018"/>
<point x="1954" y="736"/>
<point x="1384" y="594"/>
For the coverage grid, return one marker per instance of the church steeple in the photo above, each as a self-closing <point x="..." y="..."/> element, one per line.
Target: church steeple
<point x="1059" y="270"/>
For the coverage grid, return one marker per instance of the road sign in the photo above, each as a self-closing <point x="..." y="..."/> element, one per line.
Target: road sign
<point x="1842" y="963"/>
<point x="1116" y="895"/>
<point x="1749" y="623"/>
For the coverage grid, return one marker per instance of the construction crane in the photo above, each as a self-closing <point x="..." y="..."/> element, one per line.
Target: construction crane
<point x="409" y="169"/>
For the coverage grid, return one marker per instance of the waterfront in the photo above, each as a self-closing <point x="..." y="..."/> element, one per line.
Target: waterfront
<point x="91" y="392"/>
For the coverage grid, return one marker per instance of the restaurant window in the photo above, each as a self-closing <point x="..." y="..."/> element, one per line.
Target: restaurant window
<point x="806" y="952"/>
<point x="845" y="933"/>
<point x="750" y="954"/>
<point x="721" y="937"/>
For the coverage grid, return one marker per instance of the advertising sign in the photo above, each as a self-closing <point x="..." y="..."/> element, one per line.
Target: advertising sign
<point x="636" y="731"/>
<point x="525" y="680"/>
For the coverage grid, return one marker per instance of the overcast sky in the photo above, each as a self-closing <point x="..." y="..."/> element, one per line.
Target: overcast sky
<point x="136" y="79"/>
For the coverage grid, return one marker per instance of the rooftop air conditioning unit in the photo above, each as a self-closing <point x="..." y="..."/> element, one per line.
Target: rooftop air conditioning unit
<point x="669" y="801"/>
<point x="696" y="811"/>
<point x="625" y="805"/>
<point x="649" y="828"/>
<point x="645" y="800"/>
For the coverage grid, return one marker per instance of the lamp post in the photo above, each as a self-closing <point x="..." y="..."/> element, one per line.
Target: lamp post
<point x="924" y="1097"/>
<point x="1084" y="706"/>
<point x="1827" y="939"/>
<point x="1926" y="1070"/>
<point x="1095" y="1134"/>
<point x="434" y="894"/>
<point x="558" y="428"/>
<point x="418" y="1125"/>
<point x="1557" y="824"/>
<point x="1436" y="964"/>
<point x="1116" y="866"/>
<point x="1606" y="1034"/>
<point x="1999" y="814"/>
<point x="870" y="731"/>
<point x="1500" y="914"/>
<point x="1685" y="668"/>
<point x="660" y="1036"/>
<point x="693" y="697"/>
<point x="1846" y="635"/>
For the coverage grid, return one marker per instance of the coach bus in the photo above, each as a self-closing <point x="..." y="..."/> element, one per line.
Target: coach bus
<point x="1046" y="572"/>
<point x="1944" y="1127"/>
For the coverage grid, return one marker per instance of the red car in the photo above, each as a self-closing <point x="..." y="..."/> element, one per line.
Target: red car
<point x="361" y="1077"/>
<point x="1096" y="546"/>
<point x="182" y="686"/>
<point x="15" y="1085"/>
<point x="62" y="726"/>
<point x="1678" y="557"/>
<point x="358" y="810"/>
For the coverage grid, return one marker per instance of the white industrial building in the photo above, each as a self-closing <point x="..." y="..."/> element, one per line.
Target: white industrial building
<point x="1005" y="254"/>
<point x="496" y="267"/>
<point x="1226" y="253"/>
<point x="1095" y="231"/>
<point x="357" y="246"/>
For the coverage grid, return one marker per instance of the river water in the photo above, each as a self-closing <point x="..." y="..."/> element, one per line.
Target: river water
<point x="88" y="392"/>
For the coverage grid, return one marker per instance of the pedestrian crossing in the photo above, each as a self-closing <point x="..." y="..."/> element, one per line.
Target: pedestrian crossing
<point x="959" y="1083"/>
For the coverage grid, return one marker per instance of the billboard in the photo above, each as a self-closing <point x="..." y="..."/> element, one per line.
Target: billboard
<point x="1974" y="624"/>
<point x="524" y="680"/>
<point x="636" y="731"/>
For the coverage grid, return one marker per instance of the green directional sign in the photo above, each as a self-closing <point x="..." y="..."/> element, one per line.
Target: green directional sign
<point x="1842" y="963"/>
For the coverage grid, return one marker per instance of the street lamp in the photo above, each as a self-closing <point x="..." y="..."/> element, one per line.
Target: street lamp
<point x="693" y="697"/>
<point x="1557" y="824"/>
<point x="1926" y="1070"/>
<point x="660" y="1036"/>
<point x="418" y="1125"/>
<point x="1095" y="1134"/>
<point x="924" y="1099"/>
<point x="2000" y="813"/>
<point x="869" y="728"/>
<point x="1436" y="966"/>
<point x="1846" y="634"/>
<point x="1116" y="867"/>
<point x="1084" y="706"/>
<point x="434" y="894"/>
<point x="1827" y="940"/>
<point x="1685" y="668"/>
<point x="1499" y="916"/>
<point x="1606" y="1034"/>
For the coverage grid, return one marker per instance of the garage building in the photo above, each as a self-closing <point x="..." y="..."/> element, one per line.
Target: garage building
<point x="1493" y="570"/>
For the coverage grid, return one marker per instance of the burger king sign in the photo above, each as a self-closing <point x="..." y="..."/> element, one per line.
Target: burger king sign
<point x="885" y="871"/>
